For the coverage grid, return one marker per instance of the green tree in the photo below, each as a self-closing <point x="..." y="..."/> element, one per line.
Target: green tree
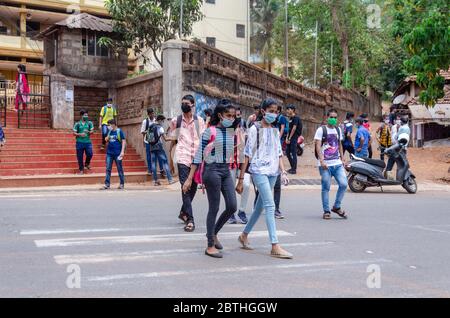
<point x="147" y="24"/>
<point x="264" y="14"/>
<point x="424" y="29"/>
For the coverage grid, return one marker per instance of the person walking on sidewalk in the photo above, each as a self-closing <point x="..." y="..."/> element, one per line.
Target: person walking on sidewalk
<point x="155" y="141"/>
<point x="330" y="157"/>
<point x="115" y="153"/>
<point x="241" y="131"/>
<point x="214" y="156"/>
<point x="146" y="123"/>
<point x="83" y="131"/>
<point x="362" y="139"/>
<point x="187" y="129"/>
<point x="107" y="113"/>
<point x="295" y="131"/>
<point x="384" y="136"/>
<point x="263" y="153"/>
<point x="347" y="129"/>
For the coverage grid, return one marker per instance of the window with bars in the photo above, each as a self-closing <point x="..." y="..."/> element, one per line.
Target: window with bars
<point x="211" y="41"/>
<point x="90" y="45"/>
<point x="240" y="30"/>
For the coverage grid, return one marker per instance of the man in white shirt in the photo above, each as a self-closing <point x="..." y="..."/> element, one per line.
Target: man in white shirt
<point x="329" y="152"/>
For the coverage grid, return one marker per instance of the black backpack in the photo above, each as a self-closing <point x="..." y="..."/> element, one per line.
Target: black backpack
<point x="325" y="136"/>
<point x="152" y="136"/>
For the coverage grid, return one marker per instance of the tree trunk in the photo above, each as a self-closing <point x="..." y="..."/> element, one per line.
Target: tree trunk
<point x="157" y="58"/>
<point x="336" y="8"/>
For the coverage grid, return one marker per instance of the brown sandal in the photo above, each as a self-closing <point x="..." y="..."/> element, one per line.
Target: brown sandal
<point x="183" y="217"/>
<point x="326" y="215"/>
<point x="339" y="212"/>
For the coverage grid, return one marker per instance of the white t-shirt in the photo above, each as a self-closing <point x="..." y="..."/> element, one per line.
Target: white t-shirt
<point x="144" y="126"/>
<point x="330" y="148"/>
<point x="265" y="159"/>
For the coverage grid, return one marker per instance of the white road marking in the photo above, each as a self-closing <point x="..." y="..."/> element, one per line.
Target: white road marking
<point x="236" y="269"/>
<point x="103" y="240"/>
<point x="103" y="230"/>
<point x="146" y="255"/>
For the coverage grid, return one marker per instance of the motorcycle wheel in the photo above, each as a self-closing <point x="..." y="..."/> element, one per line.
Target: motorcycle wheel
<point x="355" y="185"/>
<point x="410" y="185"/>
<point x="299" y="151"/>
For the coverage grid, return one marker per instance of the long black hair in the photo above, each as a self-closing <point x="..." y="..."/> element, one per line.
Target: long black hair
<point x="222" y="107"/>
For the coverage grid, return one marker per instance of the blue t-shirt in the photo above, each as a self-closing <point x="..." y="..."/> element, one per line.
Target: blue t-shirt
<point x="347" y="129"/>
<point x="283" y="121"/>
<point x="2" y="134"/>
<point x="362" y="132"/>
<point x="115" y="143"/>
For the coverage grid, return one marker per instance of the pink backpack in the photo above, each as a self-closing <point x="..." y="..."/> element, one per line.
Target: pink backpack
<point x="198" y="176"/>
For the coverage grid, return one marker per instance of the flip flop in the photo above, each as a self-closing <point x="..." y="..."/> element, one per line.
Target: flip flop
<point x="339" y="212"/>
<point x="245" y="246"/>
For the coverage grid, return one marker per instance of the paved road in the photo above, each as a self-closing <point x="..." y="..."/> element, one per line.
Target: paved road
<point x="129" y="244"/>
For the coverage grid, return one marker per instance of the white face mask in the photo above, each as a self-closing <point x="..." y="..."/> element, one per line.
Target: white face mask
<point x="398" y="122"/>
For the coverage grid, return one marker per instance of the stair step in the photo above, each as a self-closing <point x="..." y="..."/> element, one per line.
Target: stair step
<point x="58" y="158"/>
<point x="60" y="171"/>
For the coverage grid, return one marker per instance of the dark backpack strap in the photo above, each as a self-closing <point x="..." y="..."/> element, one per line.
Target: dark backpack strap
<point x="147" y="124"/>
<point x="179" y="121"/>
<point x="324" y="134"/>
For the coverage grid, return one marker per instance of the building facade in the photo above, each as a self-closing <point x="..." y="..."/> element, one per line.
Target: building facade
<point x="20" y="20"/>
<point x="225" y="26"/>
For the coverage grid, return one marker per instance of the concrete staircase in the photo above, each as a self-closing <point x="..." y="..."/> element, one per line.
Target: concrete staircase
<point x="46" y="157"/>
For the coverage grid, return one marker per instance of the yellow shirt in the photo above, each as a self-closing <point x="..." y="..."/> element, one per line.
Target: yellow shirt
<point x="107" y="115"/>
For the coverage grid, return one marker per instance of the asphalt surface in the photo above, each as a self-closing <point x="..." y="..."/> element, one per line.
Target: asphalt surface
<point x="131" y="244"/>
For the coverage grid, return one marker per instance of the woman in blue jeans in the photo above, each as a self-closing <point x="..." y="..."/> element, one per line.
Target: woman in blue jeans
<point x="263" y="152"/>
<point x="217" y="153"/>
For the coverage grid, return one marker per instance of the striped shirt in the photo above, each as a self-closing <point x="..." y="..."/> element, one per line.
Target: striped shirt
<point x="220" y="151"/>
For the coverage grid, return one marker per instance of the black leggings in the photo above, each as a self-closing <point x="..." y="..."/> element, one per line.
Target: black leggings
<point x="217" y="179"/>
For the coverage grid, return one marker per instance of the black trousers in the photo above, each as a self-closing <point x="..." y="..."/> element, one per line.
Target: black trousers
<point x="183" y="173"/>
<point x="291" y="153"/>
<point x="217" y="179"/>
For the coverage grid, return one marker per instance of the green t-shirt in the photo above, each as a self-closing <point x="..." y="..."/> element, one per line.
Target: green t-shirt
<point x="83" y="127"/>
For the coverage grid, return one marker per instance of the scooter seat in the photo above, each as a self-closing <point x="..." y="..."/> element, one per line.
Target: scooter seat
<point x="375" y="162"/>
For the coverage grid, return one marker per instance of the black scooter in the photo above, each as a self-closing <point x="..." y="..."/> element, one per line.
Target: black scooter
<point x="365" y="172"/>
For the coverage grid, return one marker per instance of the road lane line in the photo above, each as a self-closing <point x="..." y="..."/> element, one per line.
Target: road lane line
<point x="234" y="270"/>
<point x="146" y="255"/>
<point x="104" y="240"/>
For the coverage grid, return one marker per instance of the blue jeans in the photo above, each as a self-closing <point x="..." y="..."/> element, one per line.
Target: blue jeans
<point x="265" y="185"/>
<point x="104" y="134"/>
<point x="83" y="147"/>
<point x="160" y="155"/>
<point x="364" y="153"/>
<point x="109" y="162"/>
<point x="149" y="159"/>
<point x="338" y="173"/>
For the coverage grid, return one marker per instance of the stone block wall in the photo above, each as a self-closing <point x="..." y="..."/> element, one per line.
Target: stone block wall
<point x="91" y="99"/>
<point x="71" y="61"/>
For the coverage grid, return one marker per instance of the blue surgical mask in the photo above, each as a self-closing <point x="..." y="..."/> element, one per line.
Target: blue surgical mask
<point x="270" y="117"/>
<point x="227" y="123"/>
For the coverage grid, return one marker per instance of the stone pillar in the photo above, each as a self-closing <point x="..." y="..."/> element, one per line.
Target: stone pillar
<point x="172" y="76"/>
<point x="23" y="27"/>
<point x="62" y="104"/>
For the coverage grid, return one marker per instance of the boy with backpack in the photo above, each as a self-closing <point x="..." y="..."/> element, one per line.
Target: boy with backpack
<point x="115" y="153"/>
<point x="146" y="123"/>
<point x="329" y="152"/>
<point x="107" y="113"/>
<point x="155" y="136"/>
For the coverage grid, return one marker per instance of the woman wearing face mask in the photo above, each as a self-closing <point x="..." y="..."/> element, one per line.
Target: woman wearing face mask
<point x="263" y="153"/>
<point x="217" y="152"/>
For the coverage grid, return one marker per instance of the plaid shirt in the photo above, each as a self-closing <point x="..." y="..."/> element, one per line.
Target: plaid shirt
<point x="385" y="136"/>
